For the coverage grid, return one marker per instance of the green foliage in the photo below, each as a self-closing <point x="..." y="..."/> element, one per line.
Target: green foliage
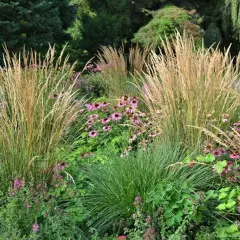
<point x="56" y="210"/>
<point x="212" y="35"/>
<point x="124" y="179"/>
<point x="164" y="23"/>
<point x="234" y="9"/>
<point x="34" y="24"/>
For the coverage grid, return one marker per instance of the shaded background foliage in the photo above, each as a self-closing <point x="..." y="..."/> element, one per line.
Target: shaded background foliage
<point x="88" y="24"/>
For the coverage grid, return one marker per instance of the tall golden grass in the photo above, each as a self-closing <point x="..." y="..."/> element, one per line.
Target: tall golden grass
<point x="118" y="68"/>
<point x="37" y="106"/>
<point x="186" y="87"/>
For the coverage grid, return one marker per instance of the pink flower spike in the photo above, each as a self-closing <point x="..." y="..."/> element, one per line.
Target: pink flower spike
<point x="35" y="227"/>
<point x="93" y="133"/>
<point x="116" y="116"/>
<point x="106" y="128"/>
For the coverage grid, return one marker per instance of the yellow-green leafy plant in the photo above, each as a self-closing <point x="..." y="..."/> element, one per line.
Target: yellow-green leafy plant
<point x="37" y="107"/>
<point x="234" y="8"/>
<point x="187" y="86"/>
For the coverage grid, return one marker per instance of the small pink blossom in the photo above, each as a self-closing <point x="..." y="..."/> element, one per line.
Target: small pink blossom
<point x="234" y="155"/>
<point x="218" y="152"/>
<point x="121" y="104"/>
<point x="94" y="116"/>
<point x="90" y="107"/>
<point x="134" y="102"/>
<point x="18" y="184"/>
<point x="106" y="128"/>
<point x="35" y="227"/>
<point x="93" y="133"/>
<point x="116" y="116"/>
<point x="104" y="104"/>
<point x="61" y="166"/>
<point x="28" y="205"/>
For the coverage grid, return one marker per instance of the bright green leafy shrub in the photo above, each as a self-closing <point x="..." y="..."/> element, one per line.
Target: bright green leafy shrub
<point x="164" y="23"/>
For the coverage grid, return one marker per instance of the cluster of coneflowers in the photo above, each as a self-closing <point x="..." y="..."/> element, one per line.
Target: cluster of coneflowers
<point x="104" y="116"/>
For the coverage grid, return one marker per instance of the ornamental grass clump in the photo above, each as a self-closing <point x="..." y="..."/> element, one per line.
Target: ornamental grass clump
<point x="115" y="185"/>
<point x="37" y="107"/>
<point x="187" y="86"/>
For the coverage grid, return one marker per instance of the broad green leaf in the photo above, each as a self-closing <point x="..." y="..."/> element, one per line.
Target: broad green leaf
<point x="232" y="193"/>
<point x="221" y="206"/>
<point x="231" y="203"/>
<point x="224" y="189"/>
<point x="222" y="195"/>
<point x="187" y="159"/>
<point x="220" y="165"/>
<point x="209" y="158"/>
<point x="232" y="229"/>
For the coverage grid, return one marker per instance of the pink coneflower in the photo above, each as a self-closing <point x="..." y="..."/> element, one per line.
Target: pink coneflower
<point x="89" y="107"/>
<point x="94" y="116"/>
<point x="130" y="110"/>
<point x="105" y="120"/>
<point x="125" y="98"/>
<point x="135" y="119"/>
<point x="96" y="106"/>
<point x="218" y="152"/>
<point x="90" y="121"/>
<point x="35" y="227"/>
<point x="121" y="104"/>
<point x="61" y="166"/>
<point x="18" y="184"/>
<point x="104" y="104"/>
<point x="116" y="116"/>
<point x="105" y="109"/>
<point x="93" y="133"/>
<point x="134" y="102"/>
<point x="234" y="155"/>
<point x="106" y="128"/>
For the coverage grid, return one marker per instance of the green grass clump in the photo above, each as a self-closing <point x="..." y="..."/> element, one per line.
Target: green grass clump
<point x="114" y="186"/>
